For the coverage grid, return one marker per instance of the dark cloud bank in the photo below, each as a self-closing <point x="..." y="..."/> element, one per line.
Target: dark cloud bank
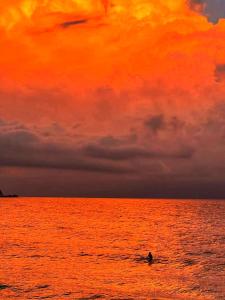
<point x="165" y="157"/>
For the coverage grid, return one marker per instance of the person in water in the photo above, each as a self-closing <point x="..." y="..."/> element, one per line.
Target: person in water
<point x="150" y="257"/>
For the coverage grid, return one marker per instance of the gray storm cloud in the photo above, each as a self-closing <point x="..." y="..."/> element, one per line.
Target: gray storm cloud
<point x="186" y="156"/>
<point x="213" y="9"/>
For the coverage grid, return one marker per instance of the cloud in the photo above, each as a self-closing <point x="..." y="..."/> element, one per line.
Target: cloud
<point x="20" y="148"/>
<point x="197" y="4"/>
<point x="220" y="72"/>
<point x="156" y="123"/>
<point x="180" y="157"/>
<point x="73" y="23"/>
<point x="160" y="122"/>
<point x="25" y="148"/>
<point x="134" y="152"/>
<point x="213" y="9"/>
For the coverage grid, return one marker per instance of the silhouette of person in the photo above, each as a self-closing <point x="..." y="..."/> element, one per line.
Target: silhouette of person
<point x="150" y="257"/>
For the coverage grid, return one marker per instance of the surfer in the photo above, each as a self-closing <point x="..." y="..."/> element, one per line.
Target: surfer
<point x="150" y="257"/>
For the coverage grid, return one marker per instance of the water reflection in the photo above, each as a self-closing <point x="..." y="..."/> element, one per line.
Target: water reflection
<point x="97" y="248"/>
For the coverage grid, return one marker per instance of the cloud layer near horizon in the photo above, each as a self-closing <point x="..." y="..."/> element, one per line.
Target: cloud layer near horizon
<point x="112" y="96"/>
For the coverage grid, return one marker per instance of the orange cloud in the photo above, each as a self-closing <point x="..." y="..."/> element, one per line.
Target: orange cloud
<point x="132" y="86"/>
<point x="78" y="47"/>
<point x="113" y="40"/>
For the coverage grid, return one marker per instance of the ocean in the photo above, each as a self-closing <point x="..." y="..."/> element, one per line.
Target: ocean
<point x="63" y="248"/>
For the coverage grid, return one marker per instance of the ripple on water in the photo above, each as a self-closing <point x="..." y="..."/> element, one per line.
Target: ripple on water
<point x="92" y="297"/>
<point x="71" y="248"/>
<point x="4" y="286"/>
<point x="189" y="262"/>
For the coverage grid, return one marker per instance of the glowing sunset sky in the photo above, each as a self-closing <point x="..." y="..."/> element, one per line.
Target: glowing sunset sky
<point x="112" y="98"/>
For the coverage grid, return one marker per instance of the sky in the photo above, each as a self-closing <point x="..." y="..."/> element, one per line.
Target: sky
<point x="112" y="98"/>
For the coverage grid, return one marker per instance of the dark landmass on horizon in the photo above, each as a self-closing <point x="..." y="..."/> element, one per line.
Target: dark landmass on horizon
<point x="2" y="195"/>
<point x="108" y="187"/>
<point x="127" y="198"/>
<point x="125" y="194"/>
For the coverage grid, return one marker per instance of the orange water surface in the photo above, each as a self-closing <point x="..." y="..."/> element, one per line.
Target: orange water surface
<point x="56" y="248"/>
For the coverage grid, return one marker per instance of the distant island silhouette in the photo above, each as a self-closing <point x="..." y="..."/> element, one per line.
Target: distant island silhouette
<point x="2" y="195"/>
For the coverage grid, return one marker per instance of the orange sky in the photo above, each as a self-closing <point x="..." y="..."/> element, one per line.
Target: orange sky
<point x="86" y="69"/>
<point x="133" y="44"/>
<point x="133" y="39"/>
